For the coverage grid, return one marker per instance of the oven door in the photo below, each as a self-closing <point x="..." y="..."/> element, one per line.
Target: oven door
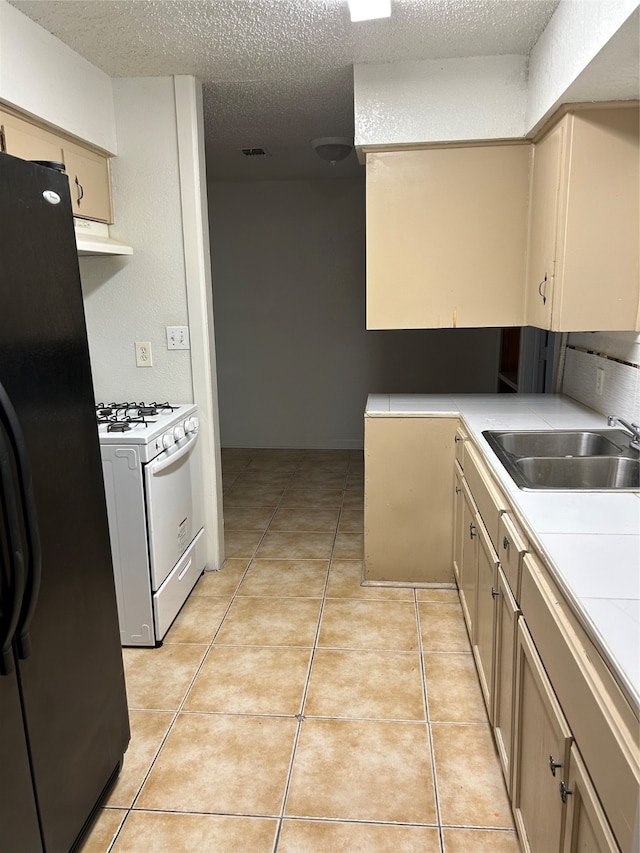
<point x="173" y="485"/>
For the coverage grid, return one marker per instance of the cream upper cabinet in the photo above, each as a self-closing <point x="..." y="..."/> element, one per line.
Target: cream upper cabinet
<point x="89" y="181"/>
<point x="408" y="467"/>
<point x="446" y="236"/>
<point x="545" y="198"/>
<point x="584" y="223"/>
<point x="28" y="141"/>
<point x="87" y="170"/>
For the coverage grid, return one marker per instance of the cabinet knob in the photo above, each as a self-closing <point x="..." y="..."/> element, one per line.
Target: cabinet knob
<point x="495" y="592"/>
<point x="457" y="439"/>
<point x="505" y="543"/>
<point x="458" y="490"/>
<point x="553" y="765"/>
<point x="564" y="792"/>
<point x="472" y="531"/>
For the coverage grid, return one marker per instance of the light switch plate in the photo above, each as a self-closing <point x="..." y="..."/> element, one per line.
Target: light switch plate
<point x="178" y="337"/>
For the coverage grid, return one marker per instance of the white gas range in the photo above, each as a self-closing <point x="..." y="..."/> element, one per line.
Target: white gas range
<point x="153" y="485"/>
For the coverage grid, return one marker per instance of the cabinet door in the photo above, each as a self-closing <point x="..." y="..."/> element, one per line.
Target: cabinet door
<point x="446" y="236"/>
<point x="485" y="614"/>
<point x="458" y="530"/>
<point x="598" y="251"/>
<point x="587" y="828"/>
<point x="507" y="613"/>
<point x="408" y="516"/>
<point x="88" y="174"/>
<point x="28" y="141"/>
<point x="543" y="227"/>
<point x="541" y="753"/>
<point x="468" y="561"/>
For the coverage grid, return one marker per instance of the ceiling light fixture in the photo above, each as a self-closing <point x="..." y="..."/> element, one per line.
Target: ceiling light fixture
<point x="332" y="148"/>
<point x="365" y="10"/>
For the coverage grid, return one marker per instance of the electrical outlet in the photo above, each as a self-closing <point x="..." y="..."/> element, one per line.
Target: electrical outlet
<point x="178" y="337"/>
<point x="143" y="354"/>
<point x="599" y="380"/>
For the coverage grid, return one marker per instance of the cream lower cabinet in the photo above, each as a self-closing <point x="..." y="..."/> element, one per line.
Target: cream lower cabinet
<point x="541" y="759"/>
<point x="587" y="828"/>
<point x="407" y="524"/>
<point x="468" y="550"/>
<point x="566" y="737"/>
<point x="486" y="594"/>
<point x="446" y="236"/>
<point x="507" y="612"/>
<point x="458" y="511"/>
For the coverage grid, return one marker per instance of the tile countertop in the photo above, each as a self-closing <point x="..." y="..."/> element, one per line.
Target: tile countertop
<point x="590" y="540"/>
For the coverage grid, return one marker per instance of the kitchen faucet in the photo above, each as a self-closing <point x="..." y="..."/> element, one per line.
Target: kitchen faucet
<point x="631" y="428"/>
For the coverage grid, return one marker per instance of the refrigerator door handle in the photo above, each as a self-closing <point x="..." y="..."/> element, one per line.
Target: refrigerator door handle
<point x="30" y="520"/>
<point x="15" y="581"/>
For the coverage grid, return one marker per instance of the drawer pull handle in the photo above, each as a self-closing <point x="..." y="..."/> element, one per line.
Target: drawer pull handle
<point x="564" y="792"/>
<point x="505" y="543"/>
<point x="79" y="191"/>
<point x="495" y="592"/>
<point x="542" y="293"/>
<point x="185" y="570"/>
<point x="553" y="765"/>
<point x="472" y="531"/>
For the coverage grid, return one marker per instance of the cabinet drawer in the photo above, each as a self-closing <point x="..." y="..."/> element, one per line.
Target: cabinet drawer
<point x="488" y="499"/>
<point x="175" y="590"/>
<point x="512" y="546"/>
<point x="606" y="737"/>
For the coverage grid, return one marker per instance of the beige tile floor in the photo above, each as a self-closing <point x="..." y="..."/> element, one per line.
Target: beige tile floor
<point x="292" y="709"/>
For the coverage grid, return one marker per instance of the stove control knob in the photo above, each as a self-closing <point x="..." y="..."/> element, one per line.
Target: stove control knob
<point x="168" y="441"/>
<point x="178" y="433"/>
<point x="191" y="425"/>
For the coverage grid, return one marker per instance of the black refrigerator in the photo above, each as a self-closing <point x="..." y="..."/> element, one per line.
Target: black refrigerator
<point x="64" y="725"/>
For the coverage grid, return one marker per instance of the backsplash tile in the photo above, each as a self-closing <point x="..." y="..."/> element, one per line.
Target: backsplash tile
<point x="621" y="388"/>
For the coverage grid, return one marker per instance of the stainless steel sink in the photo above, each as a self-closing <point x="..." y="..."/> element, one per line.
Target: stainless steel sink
<point x="557" y="443"/>
<point x="580" y="472"/>
<point x="573" y="460"/>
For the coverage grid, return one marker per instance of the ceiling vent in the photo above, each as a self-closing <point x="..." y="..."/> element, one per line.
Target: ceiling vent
<point x="254" y="152"/>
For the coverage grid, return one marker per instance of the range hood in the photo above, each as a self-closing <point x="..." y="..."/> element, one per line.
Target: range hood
<point x="92" y="238"/>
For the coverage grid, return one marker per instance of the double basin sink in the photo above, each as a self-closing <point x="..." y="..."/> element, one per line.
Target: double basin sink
<point x="574" y="460"/>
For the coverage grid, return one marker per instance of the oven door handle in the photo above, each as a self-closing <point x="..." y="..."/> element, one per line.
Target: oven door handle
<point x="158" y="467"/>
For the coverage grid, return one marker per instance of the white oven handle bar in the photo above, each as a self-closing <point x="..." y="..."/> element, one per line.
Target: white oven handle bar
<point x="157" y="467"/>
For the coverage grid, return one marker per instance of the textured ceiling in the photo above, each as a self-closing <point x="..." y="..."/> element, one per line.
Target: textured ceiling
<point x="278" y="73"/>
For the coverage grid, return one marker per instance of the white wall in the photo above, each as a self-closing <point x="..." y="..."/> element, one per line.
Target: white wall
<point x="573" y="38"/>
<point x="617" y="354"/>
<point x="43" y="77"/>
<point x="482" y="97"/>
<point x="295" y="363"/>
<point x="588" y="51"/>
<point x="130" y="299"/>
